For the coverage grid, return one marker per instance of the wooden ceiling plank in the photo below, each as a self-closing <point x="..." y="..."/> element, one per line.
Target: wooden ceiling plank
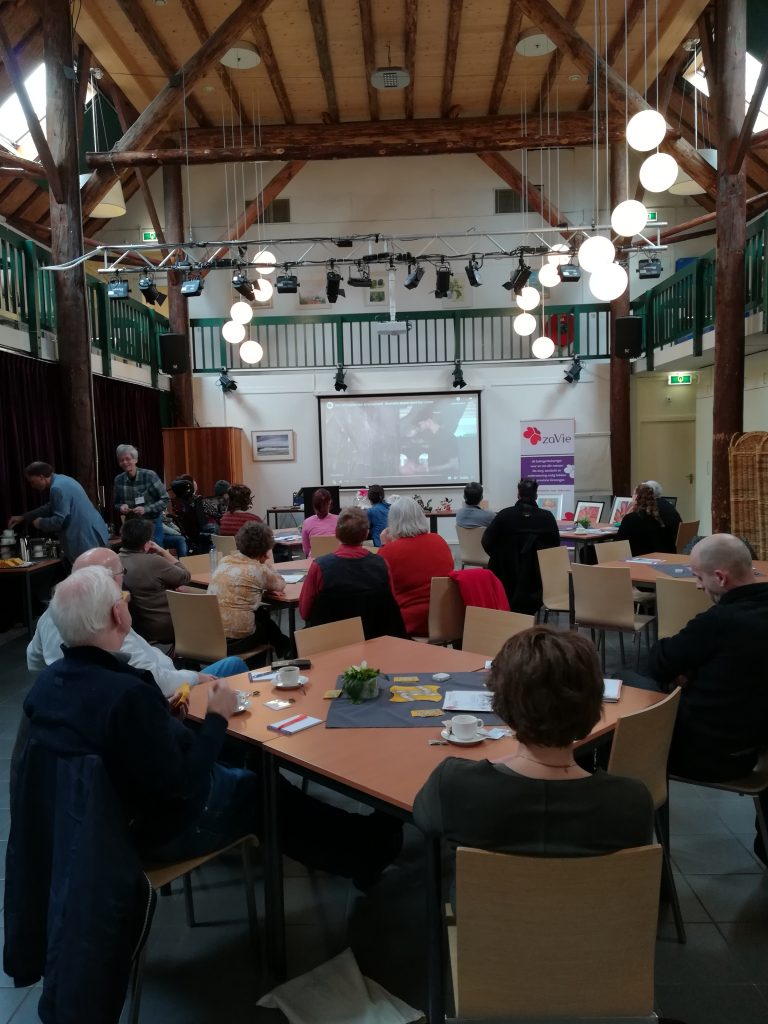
<point x="621" y="96"/>
<point x="741" y="146"/>
<point x="14" y="160"/>
<point x="25" y="30"/>
<point x="506" y="54"/>
<point x="555" y="61"/>
<point x="141" y="178"/>
<point x="195" y="19"/>
<point x="410" y="28"/>
<point x="616" y="45"/>
<point x="451" y="50"/>
<point x="536" y="200"/>
<point x="150" y="38"/>
<point x="369" y="55"/>
<point x="124" y="62"/>
<point x="155" y="116"/>
<point x="17" y="172"/>
<point x="38" y="136"/>
<point x="317" y="17"/>
<point x="266" y="50"/>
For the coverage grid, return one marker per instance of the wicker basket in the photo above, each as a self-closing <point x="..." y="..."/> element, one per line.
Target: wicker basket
<point x="748" y="462"/>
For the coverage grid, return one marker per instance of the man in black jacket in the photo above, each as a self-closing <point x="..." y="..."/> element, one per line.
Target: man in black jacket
<point x="512" y="540"/>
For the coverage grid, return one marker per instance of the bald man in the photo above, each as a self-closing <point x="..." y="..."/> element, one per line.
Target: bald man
<point x="45" y="646"/>
<point x="719" y="660"/>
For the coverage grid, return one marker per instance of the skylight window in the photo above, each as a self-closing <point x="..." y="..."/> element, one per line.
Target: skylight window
<point x="696" y="75"/>
<point x="15" y="133"/>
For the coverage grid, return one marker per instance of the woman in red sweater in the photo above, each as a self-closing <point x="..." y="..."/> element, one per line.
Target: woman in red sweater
<point x="414" y="556"/>
<point x="237" y="514"/>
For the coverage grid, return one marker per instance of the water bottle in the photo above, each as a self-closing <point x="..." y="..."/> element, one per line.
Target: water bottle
<point x="213" y="556"/>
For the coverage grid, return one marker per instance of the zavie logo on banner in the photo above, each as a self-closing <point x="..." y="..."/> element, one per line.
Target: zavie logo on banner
<point x="547" y="453"/>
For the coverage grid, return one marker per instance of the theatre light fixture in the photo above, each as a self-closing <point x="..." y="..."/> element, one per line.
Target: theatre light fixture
<point x="573" y="372"/>
<point x="649" y="268"/>
<point x="473" y="272"/>
<point x="458" y="376"/>
<point x="361" y="278"/>
<point x="150" y="292"/>
<point x="569" y="272"/>
<point x="225" y="382"/>
<point x="413" y="276"/>
<point x="243" y="286"/>
<point x="443" y="281"/>
<point x="338" y="380"/>
<point x="333" y="287"/>
<point x="518" y="279"/>
<point x="192" y="285"/>
<point x="287" y="284"/>
<point x="117" y="289"/>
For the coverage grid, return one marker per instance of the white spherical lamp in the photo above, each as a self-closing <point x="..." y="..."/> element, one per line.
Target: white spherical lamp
<point x="543" y="347"/>
<point x="548" y="275"/>
<point x="629" y="218"/>
<point x="595" y="252"/>
<point x="251" y="351"/>
<point x="268" y="259"/>
<point x="528" y="298"/>
<point x="554" y="257"/>
<point x="524" y="324"/>
<point x="609" y="282"/>
<point x="645" y="130"/>
<point x="241" y="313"/>
<point x="262" y="289"/>
<point x="233" y="332"/>
<point x="658" y="172"/>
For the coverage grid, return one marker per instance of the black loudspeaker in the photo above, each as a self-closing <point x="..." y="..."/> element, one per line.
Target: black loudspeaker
<point x="629" y="337"/>
<point x="174" y="353"/>
<point x="308" y="493"/>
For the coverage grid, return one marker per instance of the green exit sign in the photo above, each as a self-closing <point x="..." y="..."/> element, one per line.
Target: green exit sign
<point x="149" y="236"/>
<point x="653" y="215"/>
<point x="680" y="378"/>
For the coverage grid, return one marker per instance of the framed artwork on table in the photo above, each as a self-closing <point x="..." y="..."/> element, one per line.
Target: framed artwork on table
<point x="591" y="510"/>
<point x="552" y="503"/>
<point x="619" y="510"/>
<point x="272" y="445"/>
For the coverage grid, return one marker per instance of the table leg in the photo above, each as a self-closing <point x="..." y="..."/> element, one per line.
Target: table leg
<point x="292" y="625"/>
<point x="433" y="524"/>
<point x="274" y="907"/>
<point x="435" y="934"/>
<point x="571" y="603"/>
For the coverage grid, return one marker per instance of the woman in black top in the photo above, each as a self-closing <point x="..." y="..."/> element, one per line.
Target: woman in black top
<point x="643" y="526"/>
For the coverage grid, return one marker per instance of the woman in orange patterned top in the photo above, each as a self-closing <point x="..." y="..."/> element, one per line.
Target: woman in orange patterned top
<point x="240" y="582"/>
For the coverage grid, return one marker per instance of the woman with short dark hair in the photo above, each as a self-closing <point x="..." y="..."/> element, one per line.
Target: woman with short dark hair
<point x="378" y="513"/>
<point x="322" y="523"/>
<point x="548" y="687"/>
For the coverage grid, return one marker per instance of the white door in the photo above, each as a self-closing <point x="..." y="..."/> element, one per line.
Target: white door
<point x="666" y="451"/>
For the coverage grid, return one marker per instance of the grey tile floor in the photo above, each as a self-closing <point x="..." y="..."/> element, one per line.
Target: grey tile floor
<point x="208" y="974"/>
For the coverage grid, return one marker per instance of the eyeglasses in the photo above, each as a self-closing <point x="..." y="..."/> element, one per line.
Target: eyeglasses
<point x="120" y="572"/>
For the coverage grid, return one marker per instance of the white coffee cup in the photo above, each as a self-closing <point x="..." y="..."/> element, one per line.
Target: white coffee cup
<point x="464" y="727"/>
<point x="288" y="675"/>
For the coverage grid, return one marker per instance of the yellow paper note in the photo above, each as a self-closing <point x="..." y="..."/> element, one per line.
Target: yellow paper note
<point x="406" y="694"/>
<point x="427" y="713"/>
<point x="405" y="679"/>
<point x="331" y="694"/>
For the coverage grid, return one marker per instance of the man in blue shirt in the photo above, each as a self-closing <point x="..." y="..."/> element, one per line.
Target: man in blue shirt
<point x="471" y="515"/>
<point x="68" y="512"/>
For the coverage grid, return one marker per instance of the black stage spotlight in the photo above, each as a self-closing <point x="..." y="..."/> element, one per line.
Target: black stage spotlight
<point x="117" y="289"/>
<point x="192" y="286"/>
<point x="362" y="279"/>
<point x="573" y="372"/>
<point x="458" y="376"/>
<point x="518" y="279"/>
<point x="473" y="273"/>
<point x="649" y="268"/>
<point x="225" y="382"/>
<point x="333" y="287"/>
<point x="287" y="284"/>
<point x="150" y="292"/>
<point x="338" y="380"/>
<point x="413" y="277"/>
<point x="242" y="285"/>
<point x="443" y="281"/>
<point x="569" y="272"/>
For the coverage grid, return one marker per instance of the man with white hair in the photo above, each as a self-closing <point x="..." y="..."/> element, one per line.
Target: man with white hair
<point x="670" y="517"/>
<point x="719" y="660"/>
<point x="139" y="492"/>
<point x="45" y="646"/>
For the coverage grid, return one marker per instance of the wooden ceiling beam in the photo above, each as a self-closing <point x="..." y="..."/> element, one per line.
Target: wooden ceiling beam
<point x="38" y="136"/>
<point x="195" y="19"/>
<point x="267" y="53"/>
<point x="25" y="29"/>
<point x="759" y="140"/>
<point x="83" y="77"/>
<point x="369" y="55"/>
<point x="14" y="160"/>
<point x="362" y="138"/>
<point x="317" y="18"/>
<point x="451" y="50"/>
<point x="616" y="45"/>
<point x="411" y="25"/>
<point x="155" y="116"/>
<point x="506" y="55"/>
<point x="741" y="145"/>
<point x="621" y="95"/>
<point x="535" y="199"/>
<point x="18" y="173"/>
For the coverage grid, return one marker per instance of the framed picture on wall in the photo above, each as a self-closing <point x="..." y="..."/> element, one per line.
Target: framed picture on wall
<point x="552" y="503"/>
<point x="376" y="295"/>
<point x="591" y="510"/>
<point x="619" y="510"/>
<point x="312" y="290"/>
<point x="272" y="445"/>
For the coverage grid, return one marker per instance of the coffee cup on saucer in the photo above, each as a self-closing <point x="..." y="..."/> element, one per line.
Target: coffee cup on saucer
<point x="288" y="676"/>
<point x="464" y="727"/>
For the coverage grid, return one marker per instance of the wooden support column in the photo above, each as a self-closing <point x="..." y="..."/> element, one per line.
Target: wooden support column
<point x="67" y="244"/>
<point x="621" y="436"/>
<point x="178" y="311"/>
<point x="728" y="416"/>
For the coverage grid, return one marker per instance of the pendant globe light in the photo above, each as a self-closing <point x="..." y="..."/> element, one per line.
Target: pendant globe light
<point x="554" y="256"/>
<point x="241" y="313"/>
<point x="609" y="282"/>
<point x="629" y="218"/>
<point x="595" y="252"/>
<point x="233" y="332"/>
<point x="548" y="275"/>
<point x="268" y="261"/>
<point x="528" y="298"/>
<point x="658" y="172"/>
<point x="543" y="347"/>
<point x="262" y="289"/>
<point x="251" y="351"/>
<point x="524" y="324"/>
<point x="645" y="130"/>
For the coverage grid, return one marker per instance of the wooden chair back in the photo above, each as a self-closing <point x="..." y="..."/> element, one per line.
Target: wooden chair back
<point x="603" y="596"/>
<point x="446" y="611"/>
<point x="314" y="639"/>
<point x="321" y="545"/>
<point x="509" y="908"/>
<point x="471" y="550"/>
<point x="486" y="630"/>
<point x="553" y="567"/>
<point x="613" y="551"/>
<point x="224" y="545"/>
<point x="196" y="563"/>
<point x="685" y="534"/>
<point x="641" y="744"/>
<point x="677" y="602"/>
<point x="197" y="628"/>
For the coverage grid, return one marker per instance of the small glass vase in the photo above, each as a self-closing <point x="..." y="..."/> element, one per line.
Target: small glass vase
<point x="359" y="690"/>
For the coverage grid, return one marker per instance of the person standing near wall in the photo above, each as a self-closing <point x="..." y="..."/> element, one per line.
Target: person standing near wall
<point x="139" y="491"/>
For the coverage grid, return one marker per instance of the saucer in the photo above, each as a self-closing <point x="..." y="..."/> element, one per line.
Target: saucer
<point x="477" y="738"/>
<point x="290" y="686"/>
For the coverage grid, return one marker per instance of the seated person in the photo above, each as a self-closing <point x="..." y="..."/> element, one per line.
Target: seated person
<point x="149" y="572"/>
<point x="186" y="509"/>
<point x="377" y="513"/>
<point x="239" y="500"/>
<point x="414" y="556"/>
<point x="322" y="523"/>
<point x="643" y="526"/>
<point x="548" y="687"/>
<point x="351" y="581"/>
<point x="240" y="581"/>
<point x="669" y="514"/>
<point x="215" y="506"/>
<point x="470" y="514"/>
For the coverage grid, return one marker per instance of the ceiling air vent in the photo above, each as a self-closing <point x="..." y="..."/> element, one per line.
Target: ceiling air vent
<point x="390" y="78"/>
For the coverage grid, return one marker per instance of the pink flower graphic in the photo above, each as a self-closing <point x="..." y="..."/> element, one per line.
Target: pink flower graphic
<point x="533" y="434"/>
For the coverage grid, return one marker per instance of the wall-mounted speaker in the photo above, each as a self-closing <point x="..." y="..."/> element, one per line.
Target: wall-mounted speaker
<point x="174" y="353"/>
<point x="628" y="343"/>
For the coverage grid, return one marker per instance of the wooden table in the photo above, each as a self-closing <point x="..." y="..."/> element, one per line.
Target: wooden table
<point x="27" y="572"/>
<point x="295" y="545"/>
<point x="275" y="511"/>
<point x="582" y="539"/>
<point x="434" y="516"/>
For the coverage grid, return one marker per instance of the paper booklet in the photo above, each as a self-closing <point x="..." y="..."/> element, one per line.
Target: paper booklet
<point x="294" y="724"/>
<point x="467" y="700"/>
<point x="611" y="689"/>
